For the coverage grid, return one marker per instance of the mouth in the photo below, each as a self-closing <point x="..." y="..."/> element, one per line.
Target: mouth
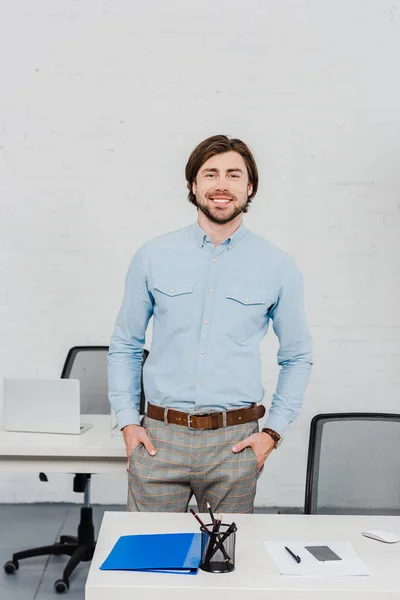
<point x="220" y="200"/>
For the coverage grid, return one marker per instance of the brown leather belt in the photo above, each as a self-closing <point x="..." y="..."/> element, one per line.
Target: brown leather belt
<point x="205" y="420"/>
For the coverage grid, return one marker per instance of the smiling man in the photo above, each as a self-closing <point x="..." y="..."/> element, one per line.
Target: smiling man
<point x="212" y="289"/>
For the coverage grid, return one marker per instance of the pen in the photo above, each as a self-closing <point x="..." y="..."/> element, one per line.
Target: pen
<point x="293" y="555"/>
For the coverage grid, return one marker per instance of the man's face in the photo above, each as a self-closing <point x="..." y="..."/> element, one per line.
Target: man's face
<point x="222" y="187"/>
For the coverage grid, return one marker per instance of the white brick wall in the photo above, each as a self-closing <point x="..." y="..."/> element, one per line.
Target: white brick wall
<point x="100" y="106"/>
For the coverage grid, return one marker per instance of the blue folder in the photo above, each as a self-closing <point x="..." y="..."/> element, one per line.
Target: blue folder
<point x="156" y="552"/>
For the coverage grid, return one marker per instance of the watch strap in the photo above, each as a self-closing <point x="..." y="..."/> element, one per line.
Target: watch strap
<point x="274" y="434"/>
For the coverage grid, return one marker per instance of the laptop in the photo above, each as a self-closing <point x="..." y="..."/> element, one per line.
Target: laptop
<point x="43" y="406"/>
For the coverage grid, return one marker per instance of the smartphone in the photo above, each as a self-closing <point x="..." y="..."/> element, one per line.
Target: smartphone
<point x="323" y="553"/>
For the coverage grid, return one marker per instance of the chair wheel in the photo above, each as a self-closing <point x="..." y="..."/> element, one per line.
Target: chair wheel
<point x="11" y="566"/>
<point x="61" y="586"/>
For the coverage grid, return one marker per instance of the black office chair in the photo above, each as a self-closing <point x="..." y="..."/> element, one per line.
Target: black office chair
<point x="89" y="365"/>
<point x="353" y="464"/>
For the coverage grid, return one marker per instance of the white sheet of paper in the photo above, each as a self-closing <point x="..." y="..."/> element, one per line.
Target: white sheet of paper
<point x="350" y="564"/>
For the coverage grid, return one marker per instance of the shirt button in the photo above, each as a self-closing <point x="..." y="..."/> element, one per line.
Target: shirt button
<point x="246" y="299"/>
<point x="171" y="289"/>
<point x="214" y="260"/>
<point x="198" y="383"/>
<point x="210" y="290"/>
<point x="202" y="352"/>
<point x="206" y="322"/>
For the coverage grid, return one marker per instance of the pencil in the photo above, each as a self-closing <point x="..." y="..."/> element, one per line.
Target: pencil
<point x="211" y="512"/>
<point x="196" y="516"/>
<point x="218" y="522"/>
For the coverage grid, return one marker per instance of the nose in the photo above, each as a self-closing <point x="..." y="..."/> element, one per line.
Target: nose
<point x="222" y="184"/>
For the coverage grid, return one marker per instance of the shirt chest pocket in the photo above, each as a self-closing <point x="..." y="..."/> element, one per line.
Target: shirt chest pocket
<point x="245" y="311"/>
<point x="174" y="304"/>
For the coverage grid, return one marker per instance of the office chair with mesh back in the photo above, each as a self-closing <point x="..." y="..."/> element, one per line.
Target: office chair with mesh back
<point x="89" y="365"/>
<point x="353" y="464"/>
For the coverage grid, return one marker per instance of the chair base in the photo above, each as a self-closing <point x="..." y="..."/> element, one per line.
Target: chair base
<point x="80" y="548"/>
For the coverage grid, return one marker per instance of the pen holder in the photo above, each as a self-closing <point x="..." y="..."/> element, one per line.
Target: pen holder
<point x="218" y="549"/>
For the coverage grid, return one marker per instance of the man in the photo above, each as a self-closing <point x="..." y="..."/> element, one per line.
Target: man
<point x="211" y="288"/>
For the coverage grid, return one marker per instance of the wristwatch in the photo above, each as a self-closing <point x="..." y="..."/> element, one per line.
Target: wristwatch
<point x="275" y="436"/>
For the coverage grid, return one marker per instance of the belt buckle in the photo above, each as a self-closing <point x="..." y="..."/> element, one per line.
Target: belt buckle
<point x="196" y="414"/>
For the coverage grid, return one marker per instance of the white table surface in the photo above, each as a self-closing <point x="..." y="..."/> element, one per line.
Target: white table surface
<point x="93" y="451"/>
<point x="256" y="575"/>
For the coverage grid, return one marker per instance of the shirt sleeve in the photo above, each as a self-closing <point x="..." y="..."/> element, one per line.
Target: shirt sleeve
<point x="295" y="350"/>
<point x="126" y="346"/>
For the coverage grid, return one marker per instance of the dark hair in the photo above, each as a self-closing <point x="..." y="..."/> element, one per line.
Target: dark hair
<point x="219" y="144"/>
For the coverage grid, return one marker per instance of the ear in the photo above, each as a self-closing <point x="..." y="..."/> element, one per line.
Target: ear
<point x="194" y="187"/>
<point x="249" y="189"/>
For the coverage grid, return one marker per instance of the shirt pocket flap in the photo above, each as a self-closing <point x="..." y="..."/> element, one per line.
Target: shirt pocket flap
<point x="174" y="289"/>
<point x="246" y="296"/>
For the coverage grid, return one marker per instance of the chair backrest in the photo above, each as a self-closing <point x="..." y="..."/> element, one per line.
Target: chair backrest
<point x="89" y="365"/>
<point x="353" y="464"/>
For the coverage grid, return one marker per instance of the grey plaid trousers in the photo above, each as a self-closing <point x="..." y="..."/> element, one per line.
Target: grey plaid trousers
<point x="193" y="462"/>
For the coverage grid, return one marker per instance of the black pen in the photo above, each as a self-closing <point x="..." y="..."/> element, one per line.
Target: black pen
<point x="293" y="555"/>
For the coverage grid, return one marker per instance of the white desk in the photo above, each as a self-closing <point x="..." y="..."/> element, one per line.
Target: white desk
<point x="256" y="576"/>
<point x="93" y="451"/>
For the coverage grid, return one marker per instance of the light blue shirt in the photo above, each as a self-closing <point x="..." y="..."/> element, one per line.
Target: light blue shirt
<point x="211" y="308"/>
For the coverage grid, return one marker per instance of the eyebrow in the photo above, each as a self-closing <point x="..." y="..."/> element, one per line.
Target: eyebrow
<point x="216" y="170"/>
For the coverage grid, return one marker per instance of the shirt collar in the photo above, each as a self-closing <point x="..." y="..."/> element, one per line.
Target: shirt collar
<point x="200" y="236"/>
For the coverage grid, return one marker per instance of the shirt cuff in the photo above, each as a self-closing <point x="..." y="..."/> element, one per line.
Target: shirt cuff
<point x="128" y="416"/>
<point x="277" y="424"/>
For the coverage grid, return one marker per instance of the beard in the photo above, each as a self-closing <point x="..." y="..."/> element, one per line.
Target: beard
<point x="221" y="216"/>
